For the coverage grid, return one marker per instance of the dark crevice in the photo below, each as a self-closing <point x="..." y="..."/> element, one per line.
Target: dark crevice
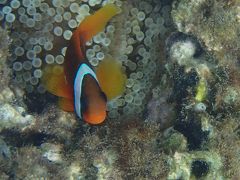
<point x="37" y="102"/>
<point x="200" y="168"/>
<point x="18" y="139"/>
<point x="193" y="132"/>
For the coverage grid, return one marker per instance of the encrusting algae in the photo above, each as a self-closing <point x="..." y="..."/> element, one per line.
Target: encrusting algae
<point x="201" y="90"/>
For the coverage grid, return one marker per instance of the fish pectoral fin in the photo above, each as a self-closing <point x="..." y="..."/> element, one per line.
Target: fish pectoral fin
<point x="66" y="104"/>
<point x="54" y="81"/>
<point x="112" y="78"/>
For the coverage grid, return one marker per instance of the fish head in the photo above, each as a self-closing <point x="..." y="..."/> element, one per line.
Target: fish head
<point x="94" y="108"/>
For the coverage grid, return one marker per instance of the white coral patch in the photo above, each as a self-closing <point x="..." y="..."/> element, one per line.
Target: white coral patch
<point x="11" y="117"/>
<point x="182" y="52"/>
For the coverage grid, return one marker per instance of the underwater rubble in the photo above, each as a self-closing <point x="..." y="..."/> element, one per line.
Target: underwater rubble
<point x="178" y="117"/>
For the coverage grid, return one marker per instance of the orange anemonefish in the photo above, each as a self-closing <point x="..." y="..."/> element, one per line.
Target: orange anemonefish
<point x="76" y="82"/>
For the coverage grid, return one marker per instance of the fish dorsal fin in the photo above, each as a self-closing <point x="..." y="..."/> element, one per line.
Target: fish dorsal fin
<point x="95" y="23"/>
<point x="83" y="70"/>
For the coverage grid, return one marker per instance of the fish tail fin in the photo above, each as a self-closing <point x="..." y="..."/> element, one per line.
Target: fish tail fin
<point x="55" y="82"/>
<point x="95" y="23"/>
<point x="66" y="104"/>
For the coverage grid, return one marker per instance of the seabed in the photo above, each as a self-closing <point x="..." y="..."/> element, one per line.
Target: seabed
<point x="178" y="117"/>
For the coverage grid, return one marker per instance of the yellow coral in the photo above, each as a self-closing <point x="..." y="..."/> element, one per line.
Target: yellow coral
<point x="201" y="90"/>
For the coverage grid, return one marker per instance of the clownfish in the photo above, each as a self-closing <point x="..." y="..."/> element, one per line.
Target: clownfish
<point x="76" y="83"/>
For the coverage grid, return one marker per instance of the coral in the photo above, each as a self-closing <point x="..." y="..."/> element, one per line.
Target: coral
<point x="55" y="123"/>
<point x="4" y="45"/>
<point x="11" y="115"/>
<point x="201" y="90"/>
<point x="173" y="141"/>
<point x="31" y="161"/>
<point x="52" y="152"/>
<point x="180" y="165"/>
<point x="177" y="119"/>
<point x="4" y="149"/>
<point x="14" y="117"/>
<point x="214" y="23"/>
<point x="159" y="108"/>
<point x="226" y="142"/>
<point x="183" y="52"/>
<point x="4" y="53"/>
<point x="105" y="163"/>
<point x="5" y="159"/>
<point x="207" y="110"/>
<point x="140" y="154"/>
<point x="75" y="171"/>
